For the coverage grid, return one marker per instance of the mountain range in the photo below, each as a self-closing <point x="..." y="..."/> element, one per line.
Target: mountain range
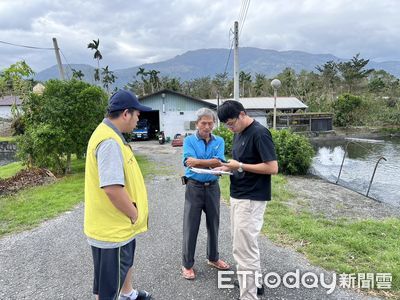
<point x="208" y="62"/>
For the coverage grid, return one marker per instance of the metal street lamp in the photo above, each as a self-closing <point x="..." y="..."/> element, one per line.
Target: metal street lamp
<point x="276" y="84"/>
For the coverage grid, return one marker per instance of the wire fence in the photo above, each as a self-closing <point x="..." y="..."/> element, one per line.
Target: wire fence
<point x="373" y="176"/>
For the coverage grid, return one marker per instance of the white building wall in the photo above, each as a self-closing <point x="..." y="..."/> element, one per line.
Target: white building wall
<point x="261" y="120"/>
<point x="172" y="122"/>
<point x="5" y="112"/>
<point x="259" y="115"/>
<point x="170" y="107"/>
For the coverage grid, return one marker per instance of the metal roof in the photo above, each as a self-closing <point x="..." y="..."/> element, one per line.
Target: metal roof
<point x="10" y="100"/>
<point x="177" y="93"/>
<point x="266" y="102"/>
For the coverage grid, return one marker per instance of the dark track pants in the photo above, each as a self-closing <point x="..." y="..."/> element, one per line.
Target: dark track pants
<point x="199" y="198"/>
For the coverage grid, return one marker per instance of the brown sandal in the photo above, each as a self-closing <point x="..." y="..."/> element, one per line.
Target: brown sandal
<point x="188" y="273"/>
<point x="219" y="264"/>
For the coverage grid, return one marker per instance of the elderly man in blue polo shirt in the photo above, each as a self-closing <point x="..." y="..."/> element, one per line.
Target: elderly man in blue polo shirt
<point x="202" y="150"/>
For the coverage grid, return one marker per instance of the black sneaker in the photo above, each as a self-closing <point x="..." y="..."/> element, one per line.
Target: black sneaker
<point x="143" y="295"/>
<point x="260" y="290"/>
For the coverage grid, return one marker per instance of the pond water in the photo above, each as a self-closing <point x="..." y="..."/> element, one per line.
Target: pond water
<point x="361" y="157"/>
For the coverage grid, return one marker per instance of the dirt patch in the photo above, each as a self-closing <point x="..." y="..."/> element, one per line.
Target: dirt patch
<point x="24" y="179"/>
<point x="153" y="148"/>
<point x="332" y="201"/>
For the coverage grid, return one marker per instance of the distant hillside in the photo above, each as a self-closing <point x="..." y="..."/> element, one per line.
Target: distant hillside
<point x="208" y="62"/>
<point x="392" y="67"/>
<point x="52" y="72"/>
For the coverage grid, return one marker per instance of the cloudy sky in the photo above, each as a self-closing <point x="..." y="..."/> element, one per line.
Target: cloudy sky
<point x="143" y="31"/>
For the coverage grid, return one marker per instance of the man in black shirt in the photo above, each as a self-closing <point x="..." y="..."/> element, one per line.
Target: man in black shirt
<point x="254" y="160"/>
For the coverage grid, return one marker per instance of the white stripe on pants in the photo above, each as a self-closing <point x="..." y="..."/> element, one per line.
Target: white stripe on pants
<point x="246" y="222"/>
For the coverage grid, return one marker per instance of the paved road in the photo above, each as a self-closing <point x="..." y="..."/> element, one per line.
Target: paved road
<point x="53" y="261"/>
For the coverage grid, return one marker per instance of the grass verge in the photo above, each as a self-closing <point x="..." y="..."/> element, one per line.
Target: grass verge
<point x="7" y="138"/>
<point x="343" y="246"/>
<point x="29" y="207"/>
<point x="10" y="170"/>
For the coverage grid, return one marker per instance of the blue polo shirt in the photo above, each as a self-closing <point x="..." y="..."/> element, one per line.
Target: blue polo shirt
<point x="196" y="147"/>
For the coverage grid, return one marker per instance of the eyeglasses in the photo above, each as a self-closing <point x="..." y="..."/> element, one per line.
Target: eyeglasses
<point x="232" y="123"/>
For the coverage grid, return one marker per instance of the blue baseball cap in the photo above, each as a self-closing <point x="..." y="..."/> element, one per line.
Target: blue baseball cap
<point x="123" y="100"/>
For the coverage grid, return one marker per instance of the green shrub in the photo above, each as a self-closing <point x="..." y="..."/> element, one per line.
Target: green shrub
<point x="18" y="126"/>
<point x="391" y="116"/>
<point x="59" y="123"/>
<point x="39" y="146"/>
<point x="344" y="109"/>
<point x="294" y="152"/>
<point x="227" y="135"/>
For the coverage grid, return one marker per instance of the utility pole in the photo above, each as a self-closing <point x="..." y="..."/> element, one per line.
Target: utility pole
<point x="60" y="67"/>
<point x="236" y="62"/>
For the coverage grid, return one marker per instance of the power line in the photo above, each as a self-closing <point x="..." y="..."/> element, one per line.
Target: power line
<point x="24" y="46"/>
<point x="229" y="56"/>
<point x="230" y="50"/>
<point x="67" y="63"/>
<point x="244" y="17"/>
<point x="241" y="11"/>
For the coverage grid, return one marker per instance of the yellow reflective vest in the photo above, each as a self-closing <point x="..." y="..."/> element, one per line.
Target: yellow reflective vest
<point x="103" y="221"/>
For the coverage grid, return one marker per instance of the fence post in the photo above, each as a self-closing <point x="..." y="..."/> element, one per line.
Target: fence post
<point x="373" y="174"/>
<point x="341" y="166"/>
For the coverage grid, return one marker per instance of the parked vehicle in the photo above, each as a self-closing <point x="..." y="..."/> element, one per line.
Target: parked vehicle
<point x="161" y="137"/>
<point x="142" y="130"/>
<point x="178" y="140"/>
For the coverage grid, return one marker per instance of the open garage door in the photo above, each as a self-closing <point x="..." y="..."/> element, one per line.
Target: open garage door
<point x="154" y="120"/>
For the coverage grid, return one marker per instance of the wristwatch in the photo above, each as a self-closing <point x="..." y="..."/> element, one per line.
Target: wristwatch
<point x="240" y="170"/>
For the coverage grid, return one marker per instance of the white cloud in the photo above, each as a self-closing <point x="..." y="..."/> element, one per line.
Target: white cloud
<point x="143" y="31"/>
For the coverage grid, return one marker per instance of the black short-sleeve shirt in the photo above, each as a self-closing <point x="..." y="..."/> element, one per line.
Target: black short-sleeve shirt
<point x="252" y="146"/>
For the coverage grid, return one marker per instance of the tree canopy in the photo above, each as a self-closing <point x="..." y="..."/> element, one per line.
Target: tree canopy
<point x="59" y="123"/>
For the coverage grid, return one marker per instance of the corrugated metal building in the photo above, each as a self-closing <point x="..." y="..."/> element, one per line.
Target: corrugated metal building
<point x="259" y="107"/>
<point x="173" y="112"/>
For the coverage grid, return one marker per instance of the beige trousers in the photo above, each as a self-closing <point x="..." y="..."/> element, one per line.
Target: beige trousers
<point x="246" y="222"/>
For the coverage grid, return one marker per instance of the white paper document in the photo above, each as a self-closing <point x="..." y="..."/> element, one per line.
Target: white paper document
<point x="209" y="171"/>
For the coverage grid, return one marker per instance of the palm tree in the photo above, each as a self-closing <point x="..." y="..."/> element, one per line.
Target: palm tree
<point x="78" y="74"/>
<point x="245" y="79"/>
<point x="95" y="46"/>
<point x="108" y="78"/>
<point x="97" y="55"/>
<point x="143" y="74"/>
<point x="154" y="80"/>
<point x="259" y="84"/>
